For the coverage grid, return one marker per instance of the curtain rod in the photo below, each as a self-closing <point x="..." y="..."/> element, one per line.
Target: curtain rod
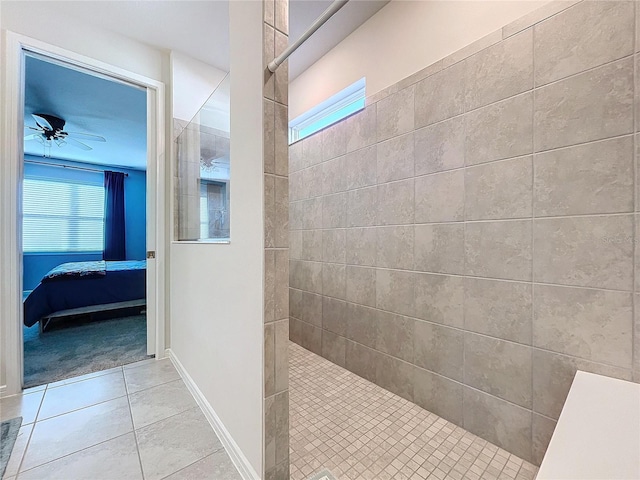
<point x="68" y="166"/>
<point x="321" y="20"/>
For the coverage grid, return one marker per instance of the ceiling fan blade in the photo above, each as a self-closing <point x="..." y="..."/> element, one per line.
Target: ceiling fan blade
<point x="86" y="136"/>
<point x="78" y="144"/>
<point x="42" y="122"/>
<point x="33" y="136"/>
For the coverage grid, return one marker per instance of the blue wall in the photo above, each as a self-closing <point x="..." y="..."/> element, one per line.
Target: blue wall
<point x="36" y="265"/>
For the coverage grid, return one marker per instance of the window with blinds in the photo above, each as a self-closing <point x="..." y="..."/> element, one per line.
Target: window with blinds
<point x="62" y="216"/>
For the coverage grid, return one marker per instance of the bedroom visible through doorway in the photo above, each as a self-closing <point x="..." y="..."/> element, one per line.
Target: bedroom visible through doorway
<point x="84" y="208"/>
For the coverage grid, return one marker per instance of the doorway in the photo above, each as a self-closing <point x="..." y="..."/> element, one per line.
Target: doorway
<point x="83" y="222"/>
<point x="16" y="276"/>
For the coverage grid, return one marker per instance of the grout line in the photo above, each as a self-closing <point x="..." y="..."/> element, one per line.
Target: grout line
<point x="133" y="425"/>
<point x="635" y="348"/>
<point x="460" y="222"/>
<point x="533" y="212"/>
<point x="81" y="408"/>
<point x="472" y="332"/>
<point x="170" y="416"/>
<point x="457" y="275"/>
<point x="464" y="267"/>
<point x="142" y="363"/>
<point x="192" y="463"/>
<point x="573" y="75"/>
<point x="72" y="381"/>
<point x="276" y="175"/>
<point x="152" y="386"/>
<point x="541" y="20"/>
<point x="33" y="427"/>
<point x="20" y="472"/>
<point x="635" y="335"/>
<point x="26" y="449"/>
<point x="44" y="393"/>
<point x="532" y="153"/>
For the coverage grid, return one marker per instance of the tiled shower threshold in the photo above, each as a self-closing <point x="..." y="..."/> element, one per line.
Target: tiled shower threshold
<point x="355" y="429"/>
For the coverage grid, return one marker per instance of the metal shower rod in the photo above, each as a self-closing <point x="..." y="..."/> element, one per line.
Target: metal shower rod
<point x="321" y="20"/>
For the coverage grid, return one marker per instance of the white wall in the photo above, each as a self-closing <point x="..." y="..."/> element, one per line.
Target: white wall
<point x="65" y="32"/>
<point x="43" y="23"/>
<point x="401" y="39"/>
<point x="193" y="82"/>
<point x="217" y="290"/>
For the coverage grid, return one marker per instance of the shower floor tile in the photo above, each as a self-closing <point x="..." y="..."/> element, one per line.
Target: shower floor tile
<point x="356" y="430"/>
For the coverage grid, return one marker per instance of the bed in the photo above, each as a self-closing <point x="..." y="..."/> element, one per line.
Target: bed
<point x="82" y="287"/>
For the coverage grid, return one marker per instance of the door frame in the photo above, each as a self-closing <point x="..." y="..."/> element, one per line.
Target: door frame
<point x="11" y="176"/>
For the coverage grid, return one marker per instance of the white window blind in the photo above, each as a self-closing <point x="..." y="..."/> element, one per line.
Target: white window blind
<point x="62" y="216"/>
<point x="204" y="212"/>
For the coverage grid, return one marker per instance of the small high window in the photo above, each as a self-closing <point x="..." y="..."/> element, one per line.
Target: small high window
<point x="339" y="106"/>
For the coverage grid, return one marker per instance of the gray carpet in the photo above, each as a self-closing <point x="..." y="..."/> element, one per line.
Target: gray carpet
<point x="8" y="434"/>
<point x="75" y="347"/>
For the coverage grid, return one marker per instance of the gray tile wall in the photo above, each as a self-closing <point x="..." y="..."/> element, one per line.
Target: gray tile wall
<point x="276" y="236"/>
<point x="467" y="241"/>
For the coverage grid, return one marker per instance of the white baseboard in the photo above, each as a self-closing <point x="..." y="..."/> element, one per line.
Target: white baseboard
<point x="239" y="460"/>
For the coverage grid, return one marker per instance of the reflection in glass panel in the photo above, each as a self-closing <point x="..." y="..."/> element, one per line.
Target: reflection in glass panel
<point x="203" y="172"/>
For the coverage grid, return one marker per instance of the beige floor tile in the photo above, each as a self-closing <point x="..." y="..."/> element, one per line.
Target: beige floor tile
<point x="140" y="363"/>
<point x="73" y="396"/>
<point x="175" y="443"/>
<point x="24" y="405"/>
<point x="373" y="434"/>
<point x="34" y="389"/>
<point x="75" y="431"/>
<point x="113" y="459"/>
<point x="83" y="432"/>
<point x="216" y="466"/>
<point x="157" y="403"/>
<point x="149" y="374"/>
<point x="86" y="376"/>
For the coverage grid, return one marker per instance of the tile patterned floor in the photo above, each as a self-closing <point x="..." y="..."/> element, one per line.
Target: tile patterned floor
<point x="140" y="422"/>
<point x="358" y="430"/>
<point x="133" y="422"/>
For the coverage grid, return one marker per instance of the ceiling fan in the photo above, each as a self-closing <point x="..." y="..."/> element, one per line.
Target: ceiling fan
<point x="50" y="130"/>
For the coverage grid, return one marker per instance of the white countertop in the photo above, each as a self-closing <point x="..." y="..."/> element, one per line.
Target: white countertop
<point x="598" y="433"/>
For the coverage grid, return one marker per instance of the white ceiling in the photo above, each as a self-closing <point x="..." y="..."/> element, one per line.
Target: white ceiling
<point x="200" y="28"/>
<point x="88" y="104"/>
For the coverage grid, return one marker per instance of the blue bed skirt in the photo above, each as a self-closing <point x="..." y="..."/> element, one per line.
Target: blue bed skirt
<point x="122" y="282"/>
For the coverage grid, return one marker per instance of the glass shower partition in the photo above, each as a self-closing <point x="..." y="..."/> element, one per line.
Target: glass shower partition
<point x="202" y="175"/>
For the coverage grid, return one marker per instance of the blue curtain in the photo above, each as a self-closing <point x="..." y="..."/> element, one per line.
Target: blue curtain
<point x="114" y="229"/>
